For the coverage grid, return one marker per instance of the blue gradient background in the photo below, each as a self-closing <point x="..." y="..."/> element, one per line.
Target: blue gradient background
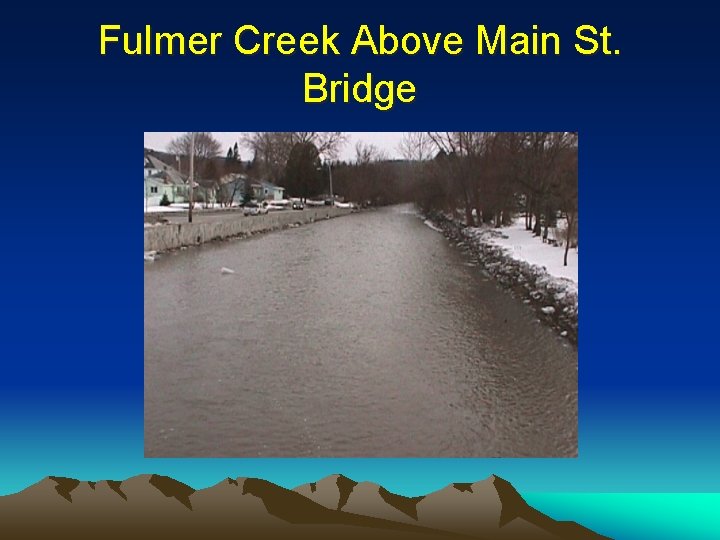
<point x="71" y="388"/>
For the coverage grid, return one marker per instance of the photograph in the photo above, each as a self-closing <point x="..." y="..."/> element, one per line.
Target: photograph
<point x="361" y="294"/>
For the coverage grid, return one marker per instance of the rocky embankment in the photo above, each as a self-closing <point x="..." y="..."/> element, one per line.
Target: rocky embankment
<point x="554" y="299"/>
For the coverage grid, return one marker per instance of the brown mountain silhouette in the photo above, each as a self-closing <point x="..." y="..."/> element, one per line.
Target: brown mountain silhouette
<point x="337" y="492"/>
<point x="154" y="505"/>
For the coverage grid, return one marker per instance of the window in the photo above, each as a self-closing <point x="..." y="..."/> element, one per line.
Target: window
<point x="153" y="189"/>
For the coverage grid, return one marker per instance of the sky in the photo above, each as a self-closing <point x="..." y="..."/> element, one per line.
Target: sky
<point x="384" y="140"/>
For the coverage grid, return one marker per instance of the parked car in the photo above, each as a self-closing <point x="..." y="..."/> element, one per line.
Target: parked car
<point x="254" y="209"/>
<point x="275" y="206"/>
<point x="298" y="205"/>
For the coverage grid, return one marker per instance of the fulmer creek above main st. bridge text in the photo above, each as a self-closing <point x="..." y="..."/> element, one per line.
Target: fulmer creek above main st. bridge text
<point x="319" y="88"/>
<point x="249" y="40"/>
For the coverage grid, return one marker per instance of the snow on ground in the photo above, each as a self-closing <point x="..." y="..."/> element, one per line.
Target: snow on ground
<point x="163" y="209"/>
<point x="432" y="225"/>
<point x="199" y="206"/>
<point x="182" y="207"/>
<point x="522" y="245"/>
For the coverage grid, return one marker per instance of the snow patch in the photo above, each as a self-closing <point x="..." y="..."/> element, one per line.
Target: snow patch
<point x="522" y="245"/>
<point x="163" y="209"/>
<point x="432" y="225"/>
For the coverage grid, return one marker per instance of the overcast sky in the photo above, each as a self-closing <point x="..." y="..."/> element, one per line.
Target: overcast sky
<point x="384" y="140"/>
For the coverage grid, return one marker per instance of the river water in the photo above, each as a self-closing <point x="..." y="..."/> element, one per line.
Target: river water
<point x="367" y="335"/>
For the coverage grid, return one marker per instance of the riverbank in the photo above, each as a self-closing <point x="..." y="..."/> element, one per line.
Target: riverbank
<point x="554" y="298"/>
<point x="167" y="237"/>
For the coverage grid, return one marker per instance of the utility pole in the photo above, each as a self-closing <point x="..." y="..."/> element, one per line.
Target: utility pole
<point x="192" y="175"/>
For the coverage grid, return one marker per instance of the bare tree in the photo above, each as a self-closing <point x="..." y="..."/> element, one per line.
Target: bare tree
<point x="492" y="175"/>
<point x="565" y="190"/>
<point x="206" y="146"/>
<point x="463" y="148"/>
<point x="328" y="143"/>
<point x="541" y="151"/>
<point x="367" y="153"/>
<point x="204" y="149"/>
<point x="416" y="146"/>
<point x="370" y="178"/>
<point x="272" y="149"/>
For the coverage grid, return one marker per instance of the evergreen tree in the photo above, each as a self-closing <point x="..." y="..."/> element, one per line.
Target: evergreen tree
<point x="303" y="173"/>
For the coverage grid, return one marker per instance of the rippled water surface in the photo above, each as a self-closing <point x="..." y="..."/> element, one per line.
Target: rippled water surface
<point x="367" y="335"/>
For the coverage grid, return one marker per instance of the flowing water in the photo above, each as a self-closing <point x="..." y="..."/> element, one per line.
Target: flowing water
<point x="366" y="335"/>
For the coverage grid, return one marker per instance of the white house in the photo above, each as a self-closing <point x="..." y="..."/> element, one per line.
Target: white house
<point x="162" y="180"/>
<point x="155" y="188"/>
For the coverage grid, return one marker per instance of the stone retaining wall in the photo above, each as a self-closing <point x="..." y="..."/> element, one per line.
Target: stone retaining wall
<point x="173" y="236"/>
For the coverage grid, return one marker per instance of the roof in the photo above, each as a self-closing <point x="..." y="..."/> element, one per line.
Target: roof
<point x="172" y="175"/>
<point x="206" y="183"/>
<point x="165" y="178"/>
<point x="267" y="185"/>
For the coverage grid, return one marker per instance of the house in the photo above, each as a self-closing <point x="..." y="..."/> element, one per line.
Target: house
<point x="162" y="180"/>
<point x="150" y="168"/>
<point x="231" y="188"/>
<point x="206" y="191"/>
<point x="155" y="188"/>
<point x="266" y="191"/>
<point x="171" y="174"/>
